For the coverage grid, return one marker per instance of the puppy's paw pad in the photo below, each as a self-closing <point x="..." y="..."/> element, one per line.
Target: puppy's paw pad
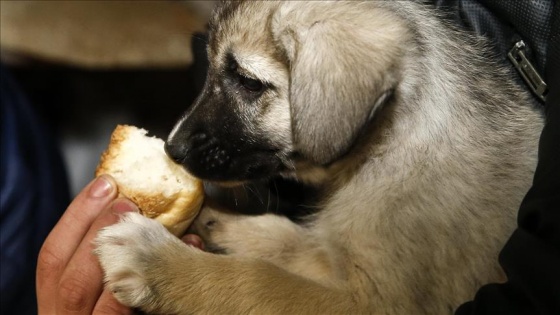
<point x="126" y="251"/>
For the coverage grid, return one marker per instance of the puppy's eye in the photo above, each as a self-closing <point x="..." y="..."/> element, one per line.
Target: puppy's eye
<point x="251" y="84"/>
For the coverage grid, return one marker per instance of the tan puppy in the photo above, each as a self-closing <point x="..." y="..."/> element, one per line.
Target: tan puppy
<point x="421" y="143"/>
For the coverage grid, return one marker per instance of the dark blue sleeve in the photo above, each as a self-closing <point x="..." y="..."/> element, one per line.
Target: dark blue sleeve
<point x="33" y="194"/>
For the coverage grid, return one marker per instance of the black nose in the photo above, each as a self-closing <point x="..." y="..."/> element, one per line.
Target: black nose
<point x="176" y="151"/>
<point x="178" y="147"/>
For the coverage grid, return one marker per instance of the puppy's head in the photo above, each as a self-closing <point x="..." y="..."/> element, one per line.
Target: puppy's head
<point x="287" y="81"/>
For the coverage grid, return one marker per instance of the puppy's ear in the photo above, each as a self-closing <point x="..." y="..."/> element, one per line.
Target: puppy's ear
<point x="342" y="58"/>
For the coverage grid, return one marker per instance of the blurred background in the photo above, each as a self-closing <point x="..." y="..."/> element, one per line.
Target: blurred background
<point x="86" y="66"/>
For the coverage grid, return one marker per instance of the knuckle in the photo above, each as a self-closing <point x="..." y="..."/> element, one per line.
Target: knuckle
<point x="73" y="295"/>
<point x="49" y="263"/>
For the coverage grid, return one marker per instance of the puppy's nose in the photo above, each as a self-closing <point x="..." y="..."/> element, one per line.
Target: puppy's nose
<point x="198" y="139"/>
<point x="178" y="149"/>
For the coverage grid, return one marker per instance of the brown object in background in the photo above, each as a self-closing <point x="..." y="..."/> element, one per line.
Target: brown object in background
<point x="100" y="34"/>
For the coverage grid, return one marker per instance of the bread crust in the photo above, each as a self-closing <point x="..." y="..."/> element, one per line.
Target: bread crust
<point x="175" y="212"/>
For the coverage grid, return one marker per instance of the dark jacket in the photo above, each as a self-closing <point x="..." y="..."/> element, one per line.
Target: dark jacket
<point x="531" y="257"/>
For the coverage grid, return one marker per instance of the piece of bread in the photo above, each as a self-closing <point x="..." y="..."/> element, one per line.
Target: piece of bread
<point x="162" y="189"/>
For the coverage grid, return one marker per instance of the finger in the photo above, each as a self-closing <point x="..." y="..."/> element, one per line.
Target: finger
<point x="81" y="283"/>
<point x="193" y="240"/>
<point x="108" y="305"/>
<point x="65" y="237"/>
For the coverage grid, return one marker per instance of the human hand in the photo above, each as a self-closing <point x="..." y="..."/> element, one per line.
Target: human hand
<point x="69" y="278"/>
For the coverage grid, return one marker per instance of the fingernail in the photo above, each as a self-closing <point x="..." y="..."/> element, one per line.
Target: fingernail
<point x="101" y="188"/>
<point x="123" y="205"/>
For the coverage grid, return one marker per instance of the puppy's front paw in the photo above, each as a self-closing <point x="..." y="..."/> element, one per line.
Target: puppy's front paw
<point x="129" y="252"/>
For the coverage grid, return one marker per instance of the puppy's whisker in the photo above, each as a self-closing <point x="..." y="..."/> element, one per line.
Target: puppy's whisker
<point x="204" y="39"/>
<point x="268" y="200"/>
<point x="277" y="197"/>
<point x="245" y="191"/>
<point x="255" y="192"/>
<point x="234" y="193"/>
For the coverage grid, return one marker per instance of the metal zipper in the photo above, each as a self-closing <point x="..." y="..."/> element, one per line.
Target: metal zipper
<point x="517" y="56"/>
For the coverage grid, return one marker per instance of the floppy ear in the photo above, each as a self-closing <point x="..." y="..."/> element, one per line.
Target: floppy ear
<point x="342" y="59"/>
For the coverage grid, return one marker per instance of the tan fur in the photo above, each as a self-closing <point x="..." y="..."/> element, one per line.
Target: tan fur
<point x="419" y="199"/>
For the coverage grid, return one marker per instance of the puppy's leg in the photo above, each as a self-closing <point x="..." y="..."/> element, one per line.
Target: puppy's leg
<point x="148" y="268"/>
<point x="269" y="237"/>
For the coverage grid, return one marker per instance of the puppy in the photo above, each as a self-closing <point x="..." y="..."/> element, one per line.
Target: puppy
<point x="420" y="142"/>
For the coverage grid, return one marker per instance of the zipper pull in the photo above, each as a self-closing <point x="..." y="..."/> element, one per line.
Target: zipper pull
<point x="517" y="56"/>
